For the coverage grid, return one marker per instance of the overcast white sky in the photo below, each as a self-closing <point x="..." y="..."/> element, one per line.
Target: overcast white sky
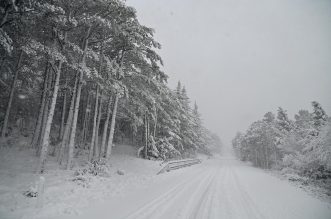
<point x="241" y="58"/>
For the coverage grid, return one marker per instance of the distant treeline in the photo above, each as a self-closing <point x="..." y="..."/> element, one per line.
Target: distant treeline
<point x="302" y="145"/>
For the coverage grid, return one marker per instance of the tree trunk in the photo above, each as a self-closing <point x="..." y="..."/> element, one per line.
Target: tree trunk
<point x="266" y="157"/>
<point x="45" y="140"/>
<point x="82" y="141"/>
<point x="5" y="17"/>
<point x="37" y="130"/>
<point x="1" y="66"/>
<point x="112" y="128"/>
<point x="43" y="125"/>
<point x="105" y="128"/>
<point x="275" y="154"/>
<point x="255" y="157"/>
<point x="3" y="60"/>
<point x="91" y="152"/>
<point x="76" y="109"/>
<point x="96" y="142"/>
<point x="146" y="136"/>
<point x="45" y="112"/>
<point x="155" y="124"/>
<point x="148" y="132"/>
<point x="11" y="96"/>
<point x="71" y="144"/>
<point x="64" y="108"/>
<point x="87" y="125"/>
<point x="66" y="134"/>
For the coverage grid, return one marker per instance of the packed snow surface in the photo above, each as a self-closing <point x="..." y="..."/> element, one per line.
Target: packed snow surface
<point x="218" y="188"/>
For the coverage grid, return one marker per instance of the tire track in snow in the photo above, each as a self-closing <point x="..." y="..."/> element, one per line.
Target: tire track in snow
<point x="248" y="204"/>
<point x="213" y="192"/>
<point x="208" y="201"/>
<point x="198" y="198"/>
<point x="156" y="207"/>
<point x="220" y="203"/>
<point x="220" y="207"/>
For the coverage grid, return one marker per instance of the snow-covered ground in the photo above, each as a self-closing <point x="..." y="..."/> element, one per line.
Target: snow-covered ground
<point x="221" y="187"/>
<point x="62" y="195"/>
<point x="218" y="188"/>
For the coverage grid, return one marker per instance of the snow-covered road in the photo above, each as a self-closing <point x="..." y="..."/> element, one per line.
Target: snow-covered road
<point x="217" y="188"/>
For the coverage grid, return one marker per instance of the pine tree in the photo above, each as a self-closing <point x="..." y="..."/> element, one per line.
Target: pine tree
<point x="70" y="47"/>
<point x="284" y="124"/>
<point x="11" y="96"/>
<point x="319" y="115"/>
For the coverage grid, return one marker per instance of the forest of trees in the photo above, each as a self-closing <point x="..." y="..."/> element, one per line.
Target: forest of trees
<point x="81" y="74"/>
<point x="302" y="145"/>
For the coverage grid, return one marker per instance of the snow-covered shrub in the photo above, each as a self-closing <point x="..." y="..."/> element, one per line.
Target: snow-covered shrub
<point x="287" y="160"/>
<point x="37" y="189"/>
<point x="120" y="172"/>
<point x="162" y="148"/>
<point x="153" y="151"/>
<point x="297" y="178"/>
<point x="317" y="172"/>
<point x="99" y="168"/>
<point x="313" y="160"/>
<point x="82" y="178"/>
<point x="294" y="161"/>
<point x="85" y="175"/>
<point x="166" y="149"/>
<point x="31" y="192"/>
<point x="320" y="152"/>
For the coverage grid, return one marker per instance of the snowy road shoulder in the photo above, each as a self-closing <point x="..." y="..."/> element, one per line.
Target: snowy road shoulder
<point x="223" y="188"/>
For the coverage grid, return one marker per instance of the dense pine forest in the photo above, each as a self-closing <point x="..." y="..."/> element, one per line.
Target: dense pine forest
<point x="80" y="75"/>
<point x="300" y="147"/>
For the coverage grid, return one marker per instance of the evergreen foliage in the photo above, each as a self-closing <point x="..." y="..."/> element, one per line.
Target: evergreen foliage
<point x="76" y="70"/>
<point x="301" y="146"/>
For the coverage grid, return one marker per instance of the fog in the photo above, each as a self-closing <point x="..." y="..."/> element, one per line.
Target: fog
<point x="240" y="59"/>
<point x="84" y="132"/>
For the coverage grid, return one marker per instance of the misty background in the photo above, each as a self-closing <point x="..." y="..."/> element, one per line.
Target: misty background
<point x="240" y="59"/>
